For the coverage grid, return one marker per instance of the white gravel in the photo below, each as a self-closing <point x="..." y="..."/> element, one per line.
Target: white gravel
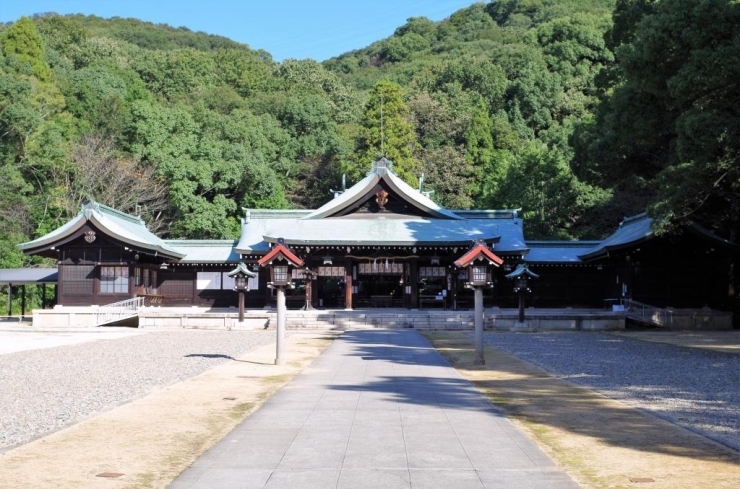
<point x="694" y="388"/>
<point x="47" y="389"/>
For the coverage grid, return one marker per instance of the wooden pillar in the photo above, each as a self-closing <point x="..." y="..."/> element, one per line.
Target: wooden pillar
<point x="10" y="300"/>
<point x="414" y="282"/>
<point x="23" y="300"/>
<point x="314" y="289"/>
<point x="453" y="292"/>
<point x="348" y="286"/>
<point x="309" y="294"/>
<point x="43" y="296"/>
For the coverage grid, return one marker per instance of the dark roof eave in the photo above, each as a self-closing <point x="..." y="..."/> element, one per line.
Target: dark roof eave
<point x="602" y="252"/>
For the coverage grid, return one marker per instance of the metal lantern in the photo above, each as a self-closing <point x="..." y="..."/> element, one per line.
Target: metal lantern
<point x="241" y="275"/>
<point x="241" y="282"/>
<point x="522" y="284"/>
<point x="521" y="276"/>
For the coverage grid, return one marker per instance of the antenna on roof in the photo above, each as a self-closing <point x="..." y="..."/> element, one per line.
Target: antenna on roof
<point x="382" y="129"/>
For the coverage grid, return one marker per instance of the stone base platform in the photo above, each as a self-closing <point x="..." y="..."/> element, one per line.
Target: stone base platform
<point x="494" y="319"/>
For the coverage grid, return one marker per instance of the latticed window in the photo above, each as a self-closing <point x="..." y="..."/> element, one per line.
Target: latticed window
<point x="479" y="274"/>
<point x="279" y="274"/>
<point x="113" y="280"/>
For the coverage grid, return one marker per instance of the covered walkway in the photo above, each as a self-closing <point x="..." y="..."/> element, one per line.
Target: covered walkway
<point x="26" y="276"/>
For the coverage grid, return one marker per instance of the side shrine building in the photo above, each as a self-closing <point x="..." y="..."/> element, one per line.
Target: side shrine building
<point x="383" y="244"/>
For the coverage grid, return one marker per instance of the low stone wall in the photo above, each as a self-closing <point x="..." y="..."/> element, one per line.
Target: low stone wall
<point x="66" y="317"/>
<point x="165" y="318"/>
<point x="494" y="319"/>
<point x="705" y="320"/>
<point x="588" y="322"/>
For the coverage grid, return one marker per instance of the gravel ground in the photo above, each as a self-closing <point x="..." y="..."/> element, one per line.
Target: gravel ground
<point x="44" y="390"/>
<point x="697" y="389"/>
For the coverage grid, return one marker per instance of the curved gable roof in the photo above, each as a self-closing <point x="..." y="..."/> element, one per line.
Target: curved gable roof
<point x="118" y="225"/>
<point x="381" y="171"/>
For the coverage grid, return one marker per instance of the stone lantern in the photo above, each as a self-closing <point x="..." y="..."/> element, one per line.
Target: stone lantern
<point x="280" y="260"/>
<point x="521" y="276"/>
<point x="241" y="275"/>
<point x="479" y="260"/>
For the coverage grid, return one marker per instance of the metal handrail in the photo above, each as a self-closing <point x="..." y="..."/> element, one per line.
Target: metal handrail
<point x="647" y="313"/>
<point x="118" y="310"/>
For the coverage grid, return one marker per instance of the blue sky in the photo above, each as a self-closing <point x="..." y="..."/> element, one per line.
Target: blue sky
<point x="318" y="29"/>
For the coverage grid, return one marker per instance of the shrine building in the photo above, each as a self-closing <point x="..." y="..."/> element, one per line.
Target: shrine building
<point x="383" y="244"/>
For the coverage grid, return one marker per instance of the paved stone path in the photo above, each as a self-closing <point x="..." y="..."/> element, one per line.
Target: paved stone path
<point x="378" y="409"/>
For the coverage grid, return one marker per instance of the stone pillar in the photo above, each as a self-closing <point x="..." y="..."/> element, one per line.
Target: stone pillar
<point x="280" y="342"/>
<point x="479" y="358"/>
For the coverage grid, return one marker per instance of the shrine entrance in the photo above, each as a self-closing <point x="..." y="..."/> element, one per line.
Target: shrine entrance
<point x="380" y="284"/>
<point x="330" y="287"/>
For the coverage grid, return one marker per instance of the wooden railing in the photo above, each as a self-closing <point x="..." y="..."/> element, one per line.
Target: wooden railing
<point x="118" y="311"/>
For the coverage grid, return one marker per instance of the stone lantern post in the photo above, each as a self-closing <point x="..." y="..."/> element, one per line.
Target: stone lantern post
<point x="479" y="260"/>
<point x="280" y="260"/>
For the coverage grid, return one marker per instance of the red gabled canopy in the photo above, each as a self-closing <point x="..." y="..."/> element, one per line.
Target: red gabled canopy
<point x="478" y="251"/>
<point x="278" y="249"/>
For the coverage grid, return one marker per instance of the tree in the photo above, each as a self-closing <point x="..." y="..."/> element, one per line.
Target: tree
<point x="540" y="181"/>
<point x="112" y="179"/>
<point x="22" y="40"/>
<point x="387" y="131"/>
<point x="673" y="117"/>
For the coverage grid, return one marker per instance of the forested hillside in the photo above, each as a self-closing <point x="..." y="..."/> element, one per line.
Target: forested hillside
<point x="577" y="111"/>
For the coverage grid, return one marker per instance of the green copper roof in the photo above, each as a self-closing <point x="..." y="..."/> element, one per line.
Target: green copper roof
<point x="409" y="231"/>
<point x="241" y="268"/>
<point x="115" y="224"/>
<point x="205" y="251"/>
<point x="631" y="231"/>
<point x="522" y="269"/>
<point x="557" y="251"/>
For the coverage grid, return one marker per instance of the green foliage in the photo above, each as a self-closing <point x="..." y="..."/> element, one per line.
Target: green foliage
<point x="566" y="108"/>
<point x="387" y="131"/>
<point x="22" y="41"/>
<point x="553" y="200"/>
<point x="670" y="117"/>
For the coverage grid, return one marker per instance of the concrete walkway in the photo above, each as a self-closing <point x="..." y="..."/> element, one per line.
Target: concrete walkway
<point x="378" y="409"/>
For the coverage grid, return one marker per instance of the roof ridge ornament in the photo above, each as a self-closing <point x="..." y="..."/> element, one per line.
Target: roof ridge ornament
<point x="381" y="166"/>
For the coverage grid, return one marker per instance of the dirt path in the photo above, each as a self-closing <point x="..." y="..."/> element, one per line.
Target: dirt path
<point x="600" y="442"/>
<point x="148" y="442"/>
